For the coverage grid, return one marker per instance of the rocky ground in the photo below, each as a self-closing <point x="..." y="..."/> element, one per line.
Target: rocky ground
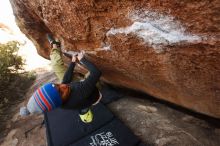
<point x="156" y="123"/>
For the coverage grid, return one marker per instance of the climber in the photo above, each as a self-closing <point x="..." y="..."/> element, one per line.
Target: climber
<point x="80" y="95"/>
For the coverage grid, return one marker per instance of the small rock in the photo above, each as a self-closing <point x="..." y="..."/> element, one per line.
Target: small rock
<point x="149" y="109"/>
<point x="14" y="142"/>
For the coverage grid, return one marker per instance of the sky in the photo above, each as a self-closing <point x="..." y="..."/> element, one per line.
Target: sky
<point x="28" y="51"/>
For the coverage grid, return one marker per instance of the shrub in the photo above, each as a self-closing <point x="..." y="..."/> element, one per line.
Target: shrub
<point x="13" y="79"/>
<point x="10" y="61"/>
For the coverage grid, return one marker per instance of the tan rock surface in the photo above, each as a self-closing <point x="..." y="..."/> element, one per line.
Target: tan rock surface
<point x="168" y="49"/>
<point x="157" y="124"/>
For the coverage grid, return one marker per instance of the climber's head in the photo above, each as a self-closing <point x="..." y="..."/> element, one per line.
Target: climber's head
<point x="45" y="98"/>
<point x="64" y="91"/>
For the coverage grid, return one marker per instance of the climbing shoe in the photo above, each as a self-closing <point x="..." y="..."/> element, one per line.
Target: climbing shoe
<point x="52" y="41"/>
<point x="86" y="115"/>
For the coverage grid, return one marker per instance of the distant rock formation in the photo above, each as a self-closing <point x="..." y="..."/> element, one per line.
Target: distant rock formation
<point x="6" y="33"/>
<point x="5" y="27"/>
<point x="168" y="49"/>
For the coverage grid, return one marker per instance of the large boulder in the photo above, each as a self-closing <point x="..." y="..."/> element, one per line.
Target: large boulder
<point x="169" y="49"/>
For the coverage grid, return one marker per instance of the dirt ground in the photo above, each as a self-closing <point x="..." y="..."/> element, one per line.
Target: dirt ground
<point x="155" y="123"/>
<point x="16" y="127"/>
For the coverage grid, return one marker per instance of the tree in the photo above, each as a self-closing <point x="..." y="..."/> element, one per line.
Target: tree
<point x="14" y="80"/>
<point x="10" y="61"/>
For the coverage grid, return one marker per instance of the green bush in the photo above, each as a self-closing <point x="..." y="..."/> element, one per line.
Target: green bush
<point x="10" y="62"/>
<point x="14" y="80"/>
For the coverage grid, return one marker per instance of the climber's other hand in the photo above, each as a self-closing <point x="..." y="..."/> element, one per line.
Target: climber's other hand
<point x="80" y="55"/>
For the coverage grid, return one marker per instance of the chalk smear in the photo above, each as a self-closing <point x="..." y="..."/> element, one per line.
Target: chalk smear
<point x="104" y="48"/>
<point x="94" y="52"/>
<point x="156" y="30"/>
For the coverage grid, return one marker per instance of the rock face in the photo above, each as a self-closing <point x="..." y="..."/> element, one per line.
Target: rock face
<point x="169" y="49"/>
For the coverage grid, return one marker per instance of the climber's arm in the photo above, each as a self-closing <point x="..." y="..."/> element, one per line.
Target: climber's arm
<point x="69" y="72"/>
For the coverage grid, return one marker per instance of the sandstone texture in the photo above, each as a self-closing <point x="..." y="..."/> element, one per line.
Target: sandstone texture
<point x="169" y="49"/>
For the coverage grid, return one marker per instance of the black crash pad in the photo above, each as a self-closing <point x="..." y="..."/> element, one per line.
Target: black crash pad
<point x="112" y="134"/>
<point x="109" y="94"/>
<point x="64" y="126"/>
<point x="142" y="144"/>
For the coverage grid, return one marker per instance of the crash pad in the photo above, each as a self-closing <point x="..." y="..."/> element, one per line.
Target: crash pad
<point x="64" y="126"/>
<point x="109" y="94"/>
<point x="114" y="133"/>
